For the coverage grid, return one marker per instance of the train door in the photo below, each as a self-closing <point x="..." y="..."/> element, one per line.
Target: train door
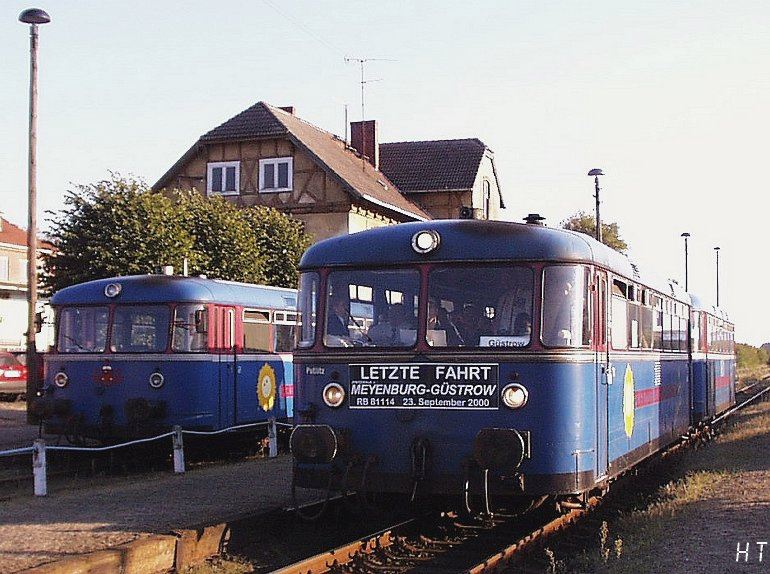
<point x="602" y="363"/>
<point x="224" y="336"/>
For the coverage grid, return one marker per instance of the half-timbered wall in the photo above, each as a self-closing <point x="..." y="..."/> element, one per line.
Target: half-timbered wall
<point x="316" y="198"/>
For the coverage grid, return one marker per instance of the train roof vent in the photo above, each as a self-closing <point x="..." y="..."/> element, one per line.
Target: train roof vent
<point x="535" y="219"/>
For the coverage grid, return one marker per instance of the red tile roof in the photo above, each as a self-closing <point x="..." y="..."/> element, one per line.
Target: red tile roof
<point x="12" y="234"/>
<point x="432" y="165"/>
<point x="15" y="235"/>
<point x="357" y="177"/>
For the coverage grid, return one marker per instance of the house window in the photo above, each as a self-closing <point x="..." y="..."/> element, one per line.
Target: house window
<point x="4" y="268"/>
<point x="276" y="174"/>
<point x="224" y="177"/>
<point x="487" y="197"/>
<point x="23" y="269"/>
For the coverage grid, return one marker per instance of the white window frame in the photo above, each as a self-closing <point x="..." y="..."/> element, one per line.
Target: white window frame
<point x="224" y="165"/>
<point x="5" y="268"/>
<point x="275" y="161"/>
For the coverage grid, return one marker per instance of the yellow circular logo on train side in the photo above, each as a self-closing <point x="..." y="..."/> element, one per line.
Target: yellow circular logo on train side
<point x="266" y="387"/>
<point x="628" y="401"/>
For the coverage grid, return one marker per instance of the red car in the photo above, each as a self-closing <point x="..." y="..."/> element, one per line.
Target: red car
<point x="13" y="375"/>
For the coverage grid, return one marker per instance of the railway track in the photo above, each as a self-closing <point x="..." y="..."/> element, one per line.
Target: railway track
<point x="445" y="542"/>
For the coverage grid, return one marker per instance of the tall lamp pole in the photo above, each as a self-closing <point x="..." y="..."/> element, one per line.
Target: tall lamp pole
<point x="716" y="250"/>
<point x="686" y="275"/>
<point x="596" y="172"/>
<point x="33" y="17"/>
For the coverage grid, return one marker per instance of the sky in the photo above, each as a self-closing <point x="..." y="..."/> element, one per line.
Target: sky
<point x="670" y="98"/>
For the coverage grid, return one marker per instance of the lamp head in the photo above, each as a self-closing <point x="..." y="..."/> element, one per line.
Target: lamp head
<point x="596" y="171"/>
<point x="34" y="16"/>
<point x="685" y="235"/>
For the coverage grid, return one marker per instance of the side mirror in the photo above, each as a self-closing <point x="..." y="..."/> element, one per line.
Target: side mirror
<point x="201" y="321"/>
<point x="38" y="322"/>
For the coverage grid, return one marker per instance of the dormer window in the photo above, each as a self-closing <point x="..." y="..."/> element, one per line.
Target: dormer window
<point x="224" y="177"/>
<point x="276" y="174"/>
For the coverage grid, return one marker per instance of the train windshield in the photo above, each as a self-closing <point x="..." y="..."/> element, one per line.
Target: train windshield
<point x="140" y="328"/>
<point x="83" y="329"/>
<point x="373" y="308"/>
<point x="480" y="306"/>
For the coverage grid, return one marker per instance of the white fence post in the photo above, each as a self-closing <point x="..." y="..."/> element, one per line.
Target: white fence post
<point x="39" y="467"/>
<point x="178" y="450"/>
<point x="272" y="437"/>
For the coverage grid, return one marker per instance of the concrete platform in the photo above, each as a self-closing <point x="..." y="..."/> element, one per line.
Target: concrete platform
<point x="101" y="513"/>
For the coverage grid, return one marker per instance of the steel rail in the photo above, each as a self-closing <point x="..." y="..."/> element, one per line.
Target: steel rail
<point x="325" y="561"/>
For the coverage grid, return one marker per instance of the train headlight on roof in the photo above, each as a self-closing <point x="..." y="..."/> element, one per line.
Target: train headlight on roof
<point x="113" y="290"/>
<point x="426" y="241"/>
<point x="514" y="396"/>
<point x="333" y="395"/>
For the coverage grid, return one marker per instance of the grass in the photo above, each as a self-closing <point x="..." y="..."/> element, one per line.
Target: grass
<point x="631" y="541"/>
<point x="753" y="373"/>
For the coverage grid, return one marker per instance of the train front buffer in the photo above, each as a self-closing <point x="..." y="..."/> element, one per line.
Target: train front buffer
<point x="515" y="429"/>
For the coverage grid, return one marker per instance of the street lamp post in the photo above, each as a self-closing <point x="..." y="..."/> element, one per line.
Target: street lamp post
<point x="716" y="250"/>
<point x="686" y="282"/>
<point x="33" y="17"/>
<point x="596" y="172"/>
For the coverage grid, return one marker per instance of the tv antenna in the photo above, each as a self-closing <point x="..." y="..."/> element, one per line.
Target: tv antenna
<point x="364" y="81"/>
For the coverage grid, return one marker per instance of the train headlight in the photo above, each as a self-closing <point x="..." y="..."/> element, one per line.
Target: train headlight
<point x="61" y="379"/>
<point x="333" y="395"/>
<point x="113" y="290"/>
<point x="156" y="380"/>
<point x="515" y="396"/>
<point x="426" y="241"/>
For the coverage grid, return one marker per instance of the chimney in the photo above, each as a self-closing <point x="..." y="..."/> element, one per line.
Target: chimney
<point x="289" y="109"/>
<point x="363" y="137"/>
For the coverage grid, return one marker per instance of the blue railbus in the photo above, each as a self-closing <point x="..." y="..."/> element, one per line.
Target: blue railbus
<point x="501" y="359"/>
<point x="713" y="361"/>
<point x="136" y="355"/>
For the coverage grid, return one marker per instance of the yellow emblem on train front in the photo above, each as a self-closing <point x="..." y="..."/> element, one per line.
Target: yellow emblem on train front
<point x="628" y="401"/>
<point x="266" y="387"/>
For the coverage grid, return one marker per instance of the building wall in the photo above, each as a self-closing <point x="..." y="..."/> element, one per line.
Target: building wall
<point x="486" y="172"/>
<point x="441" y="204"/>
<point x="316" y="199"/>
<point x="13" y="303"/>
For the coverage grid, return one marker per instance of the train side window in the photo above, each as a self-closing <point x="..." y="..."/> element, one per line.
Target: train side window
<point x="188" y="335"/>
<point x="634" y="319"/>
<point x="694" y="331"/>
<point x="307" y="308"/>
<point x="667" y="344"/>
<point x="256" y="330"/>
<point x="619" y="325"/>
<point x="566" y="306"/>
<point x="285" y="331"/>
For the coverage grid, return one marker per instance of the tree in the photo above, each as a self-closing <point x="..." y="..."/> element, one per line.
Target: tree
<point x="585" y="223"/>
<point x="120" y="227"/>
<point x="113" y="227"/>
<point x="282" y="241"/>
<point x="224" y="243"/>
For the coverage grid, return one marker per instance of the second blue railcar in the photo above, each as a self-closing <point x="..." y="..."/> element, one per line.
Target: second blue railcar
<point x="137" y="355"/>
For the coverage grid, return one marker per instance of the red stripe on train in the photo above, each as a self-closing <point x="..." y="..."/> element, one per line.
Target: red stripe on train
<point x="722" y="382"/>
<point x="647" y="397"/>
